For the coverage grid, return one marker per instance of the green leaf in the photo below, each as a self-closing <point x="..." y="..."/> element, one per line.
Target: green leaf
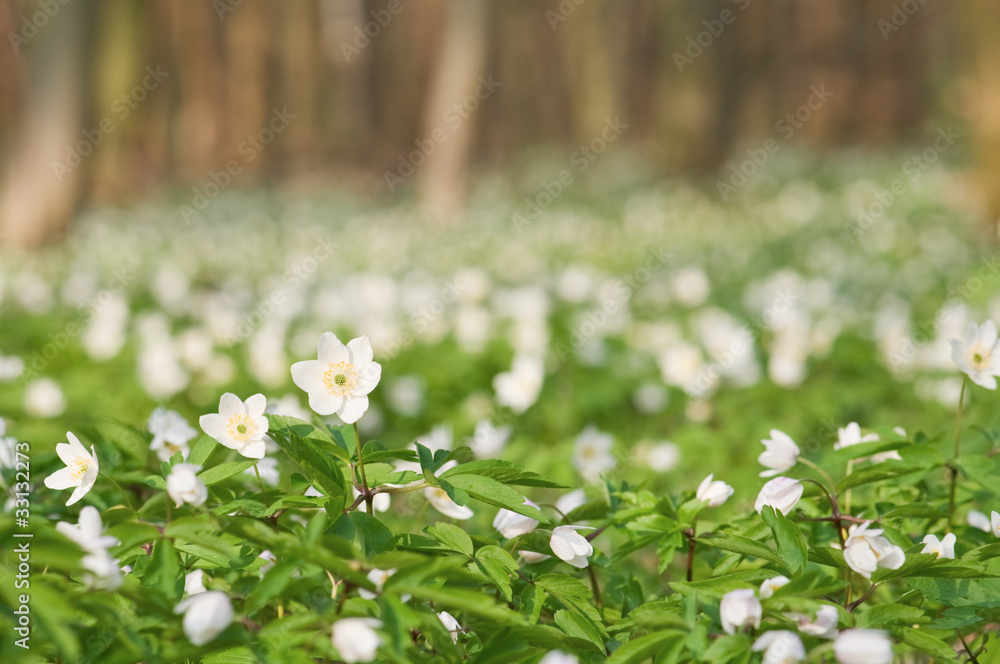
<point x="375" y="537"/>
<point x="497" y="565"/>
<point x="958" y="592"/>
<point x="272" y="585"/>
<point x="504" y="472"/>
<point x="925" y="643"/>
<point x="645" y="647"/>
<point x="201" y="450"/>
<point x="882" y="615"/>
<point x="532" y="599"/>
<point x="451" y="536"/>
<point x="744" y="546"/>
<point x="579" y="627"/>
<point x="929" y="565"/>
<point x="317" y="461"/>
<point x="788" y="537"/>
<point x="726" y="648"/>
<point x="492" y="492"/>
<point x="164" y="571"/>
<point x="574" y="595"/>
<point x="222" y="471"/>
<point x="720" y="585"/>
<point x="825" y="555"/>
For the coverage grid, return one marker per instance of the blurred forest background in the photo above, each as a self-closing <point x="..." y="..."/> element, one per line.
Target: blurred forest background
<point x="109" y="100"/>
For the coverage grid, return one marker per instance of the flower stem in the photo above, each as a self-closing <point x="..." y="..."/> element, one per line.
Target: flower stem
<point x="595" y="585"/>
<point x="953" y="468"/>
<point x="263" y="491"/>
<point x="128" y="503"/>
<point x="691" y="543"/>
<point x="364" y="479"/>
<point x="826" y="476"/>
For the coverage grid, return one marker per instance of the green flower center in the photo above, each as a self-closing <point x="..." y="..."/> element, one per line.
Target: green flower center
<point x="340" y="379"/>
<point x="241" y="428"/>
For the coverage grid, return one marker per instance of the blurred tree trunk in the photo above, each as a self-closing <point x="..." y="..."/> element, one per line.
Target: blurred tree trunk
<point x="42" y="177"/>
<point x="458" y="77"/>
<point x="980" y="98"/>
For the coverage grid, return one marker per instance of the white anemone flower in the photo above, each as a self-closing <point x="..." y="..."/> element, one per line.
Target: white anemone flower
<point x="977" y="519"/>
<point x="592" y="453"/>
<point x="570" y="546"/>
<point x="768" y="586"/>
<point x="944" y="547"/>
<point x="518" y="389"/>
<point x="714" y="492"/>
<point x="87" y="533"/>
<point x="851" y="435"/>
<point x="81" y="468"/>
<point x="511" y="524"/>
<point x="780" y="646"/>
<point x="239" y="425"/>
<point x="863" y="646"/>
<point x="171" y="434"/>
<point x="356" y="639"/>
<point x="781" y="493"/>
<point x="206" y="615"/>
<point x="488" y="440"/>
<point x="184" y="486"/>
<point x="740" y="608"/>
<point x="450" y="624"/>
<point x="825" y="625"/>
<point x="866" y="550"/>
<point x="781" y="454"/>
<point x="995" y="523"/>
<point x="442" y="502"/>
<point x="341" y="379"/>
<point x="975" y="355"/>
<point x="194" y="582"/>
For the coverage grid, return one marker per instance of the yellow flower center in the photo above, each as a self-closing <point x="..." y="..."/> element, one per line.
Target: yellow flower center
<point x="979" y="357"/>
<point x="241" y="428"/>
<point x="80" y="467"/>
<point x="340" y="379"/>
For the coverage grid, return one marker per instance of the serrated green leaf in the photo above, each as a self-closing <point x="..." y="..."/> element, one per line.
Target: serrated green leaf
<point x="218" y="473"/>
<point x="788" y="537"/>
<point x="492" y="492"/>
<point x="497" y="565"/>
<point x="451" y="536"/>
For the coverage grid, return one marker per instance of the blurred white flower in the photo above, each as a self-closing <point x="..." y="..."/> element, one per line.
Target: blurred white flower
<point x="519" y="388"/>
<point x="781" y="493"/>
<point x="269" y="469"/>
<point x="863" y="646"/>
<point x="88" y="532"/>
<point x="378" y="577"/>
<point x="406" y="395"/>
<point x="780" y="454"/>
<point x="81" y="468"/>
<point x="559" y="657"/>
<point x="739" y="608"/>
<point x="488" y="440"/>
<point x="11" y="367"/>
<point x="662" y="457"/>
<point x="206" y="615"/>
<point x="570" y="501"/>
<point x="851" y="435"/>
<point x="650" y="398"/>
<point x="944" y="548"/>
<point x="271" y="561"/>
<point x="194" y="582"/>
<point x="106" y="575"/>
<point x="977" y="519"/>
<point x="768" y="586"/>
<point x="8" y="447"/>
<point x="184" y="486"/>
<point x="511" y="524"/>
<point x="171" y="433"/>
<point x="341" y="379"/>
<point x="43" y="398"/>
<point x="356" y="639"/>
<point x="866" y="550"/>
<point x="442" y="503"/>
<point x="690" y="286"/>
<point x="975" y="355"/>
<point x="592" y="453"/>
<point x="287" y="406"/>
<point x="713" y="492"/>
<point x="450" y="624"/>
<point x="571" y="546"/>
<point x="780" y="646"/>
<point x="239" y="425"/>
<point x="995" y="523"/>
<point x="825" y="625"/>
